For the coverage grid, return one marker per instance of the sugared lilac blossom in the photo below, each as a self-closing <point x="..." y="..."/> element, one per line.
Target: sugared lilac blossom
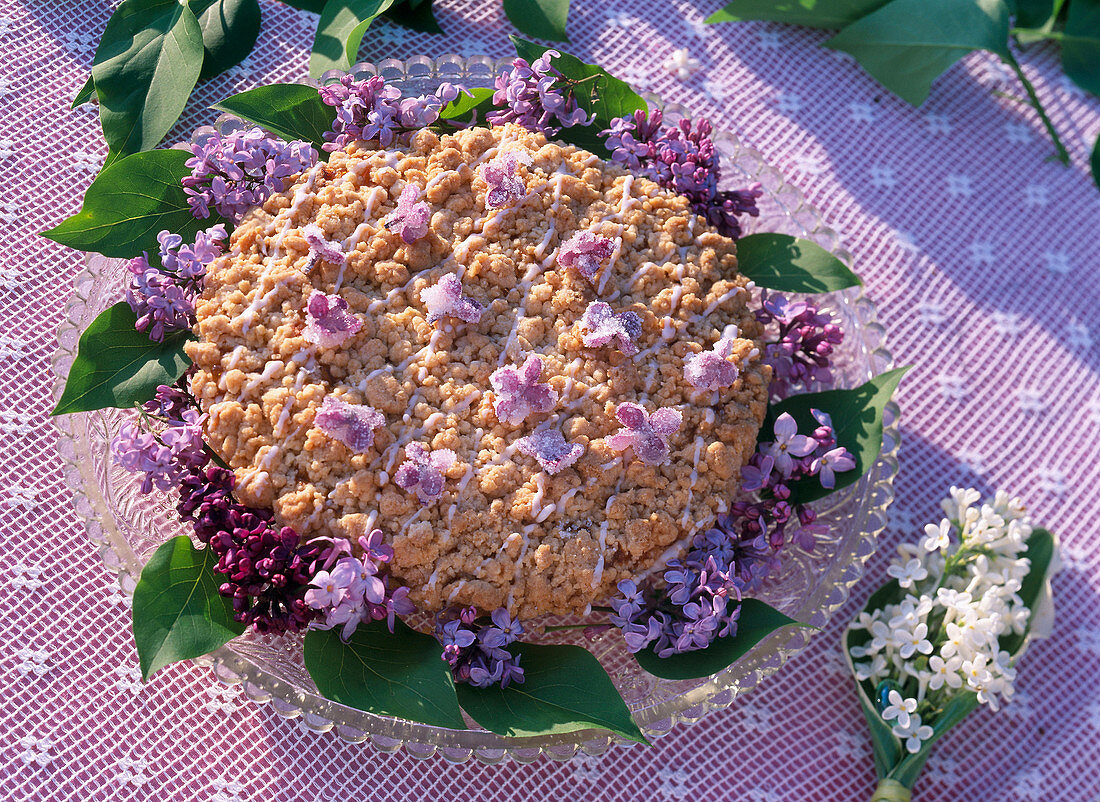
<point x="646" y="434"/>
<point x="550" y="449"/>
<point x="605" y="326"/>
<point x="682" y="158"/>
<point x="423" y="471"/>
<point x="804" y="342"/>
<point x="712" y="370"/>
<point x="520" y="393"/>
<point x="410" y="219"/>
<point x="476" y="650"/>
<point x="537" y="96"/>
<point x="585" y="251"/>
<point x="329" y="324"/>
<point x="351" y="424"/>
<point x="505" y="186"/>
<point x="445" y="299"/>
<point x="320" y="249"/>
<point x="368" y="109"/>
<point x="236" y="172"/>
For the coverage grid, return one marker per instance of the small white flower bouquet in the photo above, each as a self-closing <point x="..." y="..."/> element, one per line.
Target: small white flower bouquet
<point x="944" y="635"/>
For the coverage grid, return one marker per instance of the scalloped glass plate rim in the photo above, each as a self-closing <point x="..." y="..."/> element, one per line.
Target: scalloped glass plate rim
<point x="319" y="714"/>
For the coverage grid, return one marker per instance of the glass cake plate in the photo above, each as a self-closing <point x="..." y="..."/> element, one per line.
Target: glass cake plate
<point x="127" y="526"/>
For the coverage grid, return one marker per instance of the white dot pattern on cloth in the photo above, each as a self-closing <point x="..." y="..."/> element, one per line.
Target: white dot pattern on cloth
<point x="972" y="244"/>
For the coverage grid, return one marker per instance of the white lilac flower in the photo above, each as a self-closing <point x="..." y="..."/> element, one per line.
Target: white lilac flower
<point x="944" y="672"/>
<point x="908" y="573"/>
<point x="937" y="537"/>
<point x="914" y="733"/>
<point x="914" y="641"/>
<point x="900" y="708"/>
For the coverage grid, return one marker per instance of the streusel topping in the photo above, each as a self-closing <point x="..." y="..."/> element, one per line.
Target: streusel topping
<point x="505" y="393"/>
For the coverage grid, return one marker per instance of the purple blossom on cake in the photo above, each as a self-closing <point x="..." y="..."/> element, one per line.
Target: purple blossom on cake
<point x="165" y="457"/>
<point x="410" y="218"/>
<point x="537" y="96"/>
<point x="682" y="158"/>
<point x="162" y="298"/>
<point x="605" y="326"/>
<point x="805" y="339"/>
<point x="647" y="434"/>
<point x="500" y="174"/>
<point x="477" y="653"/>
<point x="236" y="172"/>
<point x="520" y="393"/>
<point x="320" y="248"/>
<point x="584" y="251"/>
<point x="712" y="370"/>
<point x="351" y="424"/>
<point x="328" y="322"/>
<point x="550" y="448"/>
<point x="423" y="471"/>
<point x="368" y="109"/>
<point x="445" y="299"/>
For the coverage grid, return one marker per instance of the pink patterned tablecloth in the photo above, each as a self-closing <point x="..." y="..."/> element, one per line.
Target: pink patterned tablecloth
<point x="983" y="259"/>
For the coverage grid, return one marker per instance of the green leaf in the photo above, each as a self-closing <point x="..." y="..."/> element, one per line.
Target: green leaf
<point x="1081" y="45"/>
<point x="340" y="32"/>
<point x="86" y="93"/>
<point x="118" y="366"/>
<point x="542" y="19"/>
<point x="782" y="262"/>
<point x="144" y="69"/>
<point x="811" y="13"/>
<point x="857" y="423"/>
<point x="290" y="111"/>
<point x="400" y="674"/>
<point x="316" y="6"/>
<point x="756" y="621"/>
<point x="415" y="14"/>
<point x="1032" y="13"/>
<point x="229" y="30"/>
<point x="129" y="203"/>
<point x="1095" y="162"/>
<point x="907" y="44"/>
<point x="565" y="689"/>
<point x="462" y="108"/>
<point x="178" y="612"/>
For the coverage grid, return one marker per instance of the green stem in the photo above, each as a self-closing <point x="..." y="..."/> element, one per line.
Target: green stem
<point x="563" y="627"/>
<point x="1063" y="154"/>
<point x="891" y="791"/>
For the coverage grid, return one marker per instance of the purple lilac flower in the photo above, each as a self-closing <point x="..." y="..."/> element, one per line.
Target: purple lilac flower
<point x="805" y="340"/>
<point x="328" y="322"/>
<point x="165" y="457"/>
<point x="477" y="653"/>
<point x="584" y="251"/>
<point x="711" y="370"/>
<point x="348" y="590"/>
<point x="537" y="96"/>
<point x="549" y="447"/>
<point x="682" y="158"/>
<point x="267" y="570"/>
<point x="163" y="298"/>
<point x="646" y="434"/>
<point x="422" y="471"/>
<point x="410" y="219"/>
<point x="788" y="444"/>
<point x="500" y="174"/>
<point x="520" y="393"/>
<point x="169" y="403"/>
<point x="320" y="249"/>
<point x="605" y="326"/>
<point x="837" y="459"/>
<point x="234" y="173"/>
<point x="445" y="299"/>
<point x="368" y="109"/>
<point x="351" y="424"/>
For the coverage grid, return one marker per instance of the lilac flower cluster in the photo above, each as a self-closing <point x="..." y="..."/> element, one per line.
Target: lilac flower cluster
<point x="700" y="598"/>
<point x="162" y="298"/>
<point x="476" y="652"/>
<point x="806" y="339"/>
<point x="267" y="569"/>
<point x="168" y="455"/>
<point x="233" y="173"/>
<point x="681" y="158"/>
<point x="348" y="590"/>
<point x="368" y="109"/>
<point x="537" y="96"/>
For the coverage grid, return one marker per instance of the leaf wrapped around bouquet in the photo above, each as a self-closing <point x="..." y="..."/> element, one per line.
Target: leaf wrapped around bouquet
<point x="944" y="636"/>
